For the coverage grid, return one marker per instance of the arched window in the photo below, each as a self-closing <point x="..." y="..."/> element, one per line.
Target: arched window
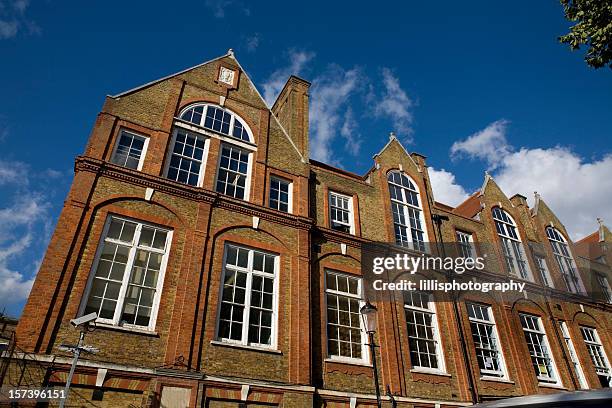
<point x="514" y="253"/>
<point x="408" y="221"/>
<point x="218" y="119"/>
<point x="564" y="259"/>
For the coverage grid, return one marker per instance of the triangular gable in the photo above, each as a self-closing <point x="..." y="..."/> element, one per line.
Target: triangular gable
<point x="229" y="54"/>
<point x="393" y="139"/>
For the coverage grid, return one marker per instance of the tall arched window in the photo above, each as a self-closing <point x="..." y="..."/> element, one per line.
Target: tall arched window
<point x="514" y="253"/>
<point x="564" y="259"/>
<point x="218" y="119"/>
<point x="189" y="149"/>
<point x="408" y="221"/>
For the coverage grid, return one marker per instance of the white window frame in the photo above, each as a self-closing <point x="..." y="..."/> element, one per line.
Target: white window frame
<point x="542" y="267"/>
<point x="351" y="211"/>
<point x="244" y="341"/>
<point x="223" y="136"/>
<point x="503" y="373"/>
<point x="558" y="244"/>
<point x="204" y="155"/>
<point x="573" y="355"/>
<point x="541" y="331"/>
<point x="405" y="204"/>
<point x="365" y="354"/>
<point x="604" y="284"/>
<point x="596" y="344"/>
<point x="465" y="241"/>
<point x="134" y="135"/>
<point x="247" y="183"/>
<point x="116" y="320"/>
<point x="513" y="249"/>
<point x="290" y="193"/>
<point x="437" y="339"/>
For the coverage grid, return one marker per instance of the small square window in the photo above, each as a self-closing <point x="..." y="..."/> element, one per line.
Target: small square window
<point x="280" y="194"/>
<point x="130" y="150"/>
<point x="227" y="75"/>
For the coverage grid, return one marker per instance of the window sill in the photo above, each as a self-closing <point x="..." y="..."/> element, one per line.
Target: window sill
<point x="349" y="362"/>
<point x="496" y="379"/>
<point x="134" y="330"/>
<point x="432" y="372"/>
<point x="555" y="386"/>
<point x="245" y="347"/>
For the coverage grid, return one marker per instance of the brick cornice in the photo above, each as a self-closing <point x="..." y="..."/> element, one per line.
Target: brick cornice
<point x="102" y="168"/>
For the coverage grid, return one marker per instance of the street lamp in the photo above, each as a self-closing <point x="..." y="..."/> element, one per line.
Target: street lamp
<point x="369" y="315"/>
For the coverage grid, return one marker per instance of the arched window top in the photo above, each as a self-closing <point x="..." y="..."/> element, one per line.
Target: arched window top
<point x="402" y="180"/>
<point x="218" y="119"/>
<point x="504" y="224"/>
<point x="555" y="235"/>
<point x="500" y="214"/>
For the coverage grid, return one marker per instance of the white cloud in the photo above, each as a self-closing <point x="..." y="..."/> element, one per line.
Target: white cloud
<point x="18" y="224"/>
<point x="12" y="18"/>
<point x="274" y="84"/>
<point x="329" y="111"/>
<point x="395" y="104"/>
<point x="445" y="188"/>
<point x="577" y="190"/>
<point x="12" y="172"/>
<point x="489" y="144"/>
<point x="350" y="132"/>
<point x="252" y="42"/>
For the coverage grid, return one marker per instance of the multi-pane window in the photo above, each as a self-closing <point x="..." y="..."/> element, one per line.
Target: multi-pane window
<point x="218" y="119"/>
<point x="341" y="212"/>
<point x="233" y="171"/>
<point x="540" y="262"/>
<point x="573" y="356"/>
<point x="408" y="221"/>
<point x="130" y="150"/>
<point x="248" y="297"/>
<point x="514" y="253"/>
<point x="564" y="259"/>
<point x="280" y="194"/>
<point x="423" y="335"/>
<point x="465" y="242"/>
<point x="128" y="273"/>
<point x="598" y="355"/>
<point x="539" y="350"/>
<point x="486" y="342"/>
<point x="186" y="163"/>
<point x="345" y="335"/>
<point x="604" y="286"/>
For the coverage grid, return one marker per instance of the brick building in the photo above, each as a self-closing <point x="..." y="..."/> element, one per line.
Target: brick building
<point x="224" y="265"/>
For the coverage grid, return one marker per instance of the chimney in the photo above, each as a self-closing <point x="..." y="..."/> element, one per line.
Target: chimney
<point x="291" y="109"/>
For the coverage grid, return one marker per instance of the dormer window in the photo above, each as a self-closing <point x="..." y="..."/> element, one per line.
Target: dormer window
<point x="218" y="119"/>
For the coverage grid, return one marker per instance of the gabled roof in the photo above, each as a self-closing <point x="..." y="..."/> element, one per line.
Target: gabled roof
<point x="597" y="236"/>
<point x="484" y="183"/>
<point x="230" y="54"/>
<point x="393" y="138"/>
<point x="470" y="207"/>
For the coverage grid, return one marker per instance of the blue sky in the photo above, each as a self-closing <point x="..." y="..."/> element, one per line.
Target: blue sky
<point x="473" y="86"/>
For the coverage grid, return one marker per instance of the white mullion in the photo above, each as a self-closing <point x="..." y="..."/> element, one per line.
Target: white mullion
<point x="247" y="298"/>
<point x="126" y="274"/>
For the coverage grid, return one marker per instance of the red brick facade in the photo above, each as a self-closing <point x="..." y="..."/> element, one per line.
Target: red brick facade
<point x="183" y="351"/>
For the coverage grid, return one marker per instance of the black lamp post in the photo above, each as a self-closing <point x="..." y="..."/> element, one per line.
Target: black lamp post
<point x="369" y="315"/>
